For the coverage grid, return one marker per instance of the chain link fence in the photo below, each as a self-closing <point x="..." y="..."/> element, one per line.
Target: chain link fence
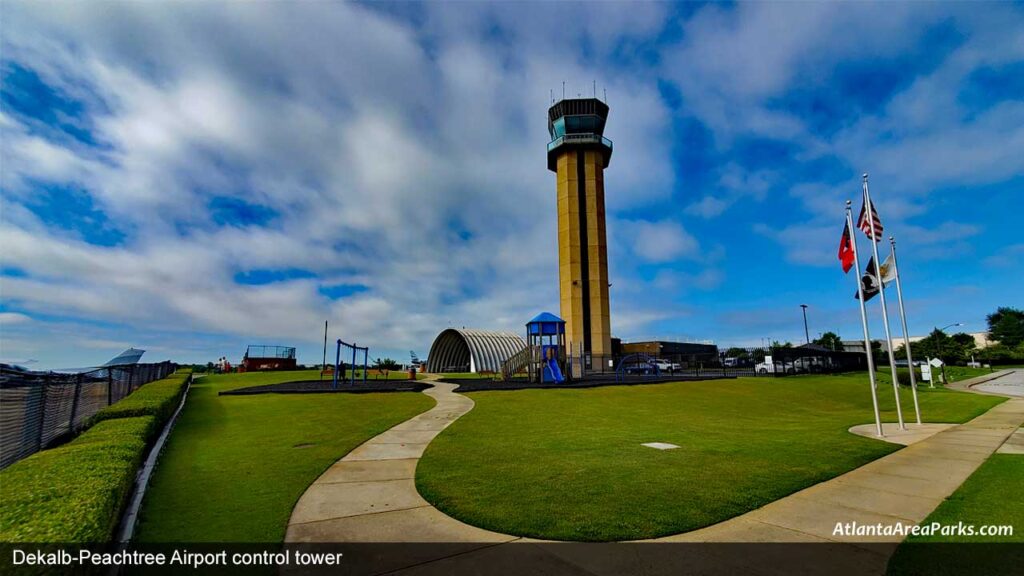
<point x="38" y="409"/>
<point x="770" y="361"/>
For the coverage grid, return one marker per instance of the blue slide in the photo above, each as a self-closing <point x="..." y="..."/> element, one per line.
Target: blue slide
<point x="554" y="372"/>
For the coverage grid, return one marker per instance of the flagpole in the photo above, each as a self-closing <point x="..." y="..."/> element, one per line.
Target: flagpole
<point x="885" y="313"/>
<point x="906" y="335"/>
<point x="864" y="321"/>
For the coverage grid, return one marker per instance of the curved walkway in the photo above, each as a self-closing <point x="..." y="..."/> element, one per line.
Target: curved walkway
<point x="370" y="494"/>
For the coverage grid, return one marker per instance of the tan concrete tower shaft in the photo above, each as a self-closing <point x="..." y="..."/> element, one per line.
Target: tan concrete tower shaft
<point x="583" y="252"/>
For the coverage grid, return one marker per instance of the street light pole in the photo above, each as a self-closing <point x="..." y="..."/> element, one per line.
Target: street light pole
<point x="940" y="349"/>
<point x="807" y="335"/>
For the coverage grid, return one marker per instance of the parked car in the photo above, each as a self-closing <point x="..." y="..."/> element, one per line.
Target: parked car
<point x="641" y="367"/>
<point x="666" y="366"/>
<point x="782" y="367"/>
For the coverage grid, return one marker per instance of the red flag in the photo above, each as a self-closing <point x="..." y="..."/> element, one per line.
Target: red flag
<point x="846" y="249"/>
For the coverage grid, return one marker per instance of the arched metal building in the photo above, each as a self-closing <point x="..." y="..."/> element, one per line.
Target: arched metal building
<point x="466" y="350"/>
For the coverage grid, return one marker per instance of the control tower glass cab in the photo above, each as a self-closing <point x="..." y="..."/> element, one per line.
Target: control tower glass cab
<point x="579" y="153"/>
<point x="578" y="122"/>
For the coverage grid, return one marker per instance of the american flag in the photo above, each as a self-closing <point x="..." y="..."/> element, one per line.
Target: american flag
<point x="864" y="223"/>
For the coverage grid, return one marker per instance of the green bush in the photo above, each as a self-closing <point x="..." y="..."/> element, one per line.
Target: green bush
<point x="75" y="492"/>
<point x="159" y="399"/>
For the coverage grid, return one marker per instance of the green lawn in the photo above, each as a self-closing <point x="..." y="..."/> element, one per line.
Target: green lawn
<point x="953" y="373"/>
<point x="991" y="496"/>
<point x="958" y="373"/>
<point x="568" y="464"/>
<point x="235" y="465"/>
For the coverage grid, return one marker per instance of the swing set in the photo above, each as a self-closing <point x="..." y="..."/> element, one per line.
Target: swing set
<point x="339" y="367"/>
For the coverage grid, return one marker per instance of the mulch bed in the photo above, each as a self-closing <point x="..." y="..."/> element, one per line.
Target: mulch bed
<point x="317" y="387"/>
<point x="478" y="385"/>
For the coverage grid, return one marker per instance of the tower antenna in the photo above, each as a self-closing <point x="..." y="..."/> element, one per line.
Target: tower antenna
<point x="595" y="88"/>
<point x="552" y="96"/>
<point x="563" y="89"/>
<point x="605" y="95"/>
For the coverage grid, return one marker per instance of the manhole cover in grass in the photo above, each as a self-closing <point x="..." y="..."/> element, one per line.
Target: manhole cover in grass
<point x="660" y="445"/>
<point x="304" y="445"/>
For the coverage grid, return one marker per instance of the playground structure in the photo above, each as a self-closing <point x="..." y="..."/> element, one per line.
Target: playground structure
<point x="339" y="367"/>
<point x="544" y="358"/>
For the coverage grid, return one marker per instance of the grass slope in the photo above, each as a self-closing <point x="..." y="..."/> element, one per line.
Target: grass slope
<point x="235" y="465"/>
<point x="568" y="464"/>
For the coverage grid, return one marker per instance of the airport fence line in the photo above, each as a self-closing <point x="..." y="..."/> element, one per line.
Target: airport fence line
<point x="769" y="361"/>
<point x="37" y="409"/>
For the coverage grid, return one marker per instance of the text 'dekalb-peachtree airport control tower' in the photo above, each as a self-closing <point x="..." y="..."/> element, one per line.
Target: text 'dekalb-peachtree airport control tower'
<point x="579" y="153"/>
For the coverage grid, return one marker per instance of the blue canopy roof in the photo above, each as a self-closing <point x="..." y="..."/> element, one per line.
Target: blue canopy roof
<point x="544" y="324"/>
<point x="545" y="317"/>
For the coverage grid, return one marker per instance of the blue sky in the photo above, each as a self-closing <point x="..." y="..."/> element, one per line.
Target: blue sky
<point x="193" y="178"/>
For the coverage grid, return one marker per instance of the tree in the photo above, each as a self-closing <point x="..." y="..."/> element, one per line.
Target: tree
<point x="831" y="341"/>
<point x="386" y="364"/>
<point x="736" y="353"/>
<point x="1006" y="325"/>
<point x="938" y="344"/>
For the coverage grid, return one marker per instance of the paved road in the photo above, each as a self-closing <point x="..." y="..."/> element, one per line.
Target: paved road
<point x="1010" y="385"/>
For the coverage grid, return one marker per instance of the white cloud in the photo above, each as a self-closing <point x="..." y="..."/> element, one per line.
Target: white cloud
<point x="707" y="207"/>
<point x="408" y="158"/>
<point x="662" y="241"/>
<point x="9" y="318"/>
<point x="1006" y="257"/>
<point x="405" y="154"/>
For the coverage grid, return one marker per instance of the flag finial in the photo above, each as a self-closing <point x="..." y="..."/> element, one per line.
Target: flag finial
<point x="847" y="203"/>
<point x="892" y="240"/>
<point x="865" y="176"/>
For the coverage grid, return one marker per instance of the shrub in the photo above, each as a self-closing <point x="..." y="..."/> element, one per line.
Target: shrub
<point x="74" y="493"/>
<point x="157" y="399"/>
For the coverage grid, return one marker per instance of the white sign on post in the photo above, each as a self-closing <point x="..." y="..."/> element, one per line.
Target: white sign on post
<point x="936" y="362"/>
<point x="926" y="372"/>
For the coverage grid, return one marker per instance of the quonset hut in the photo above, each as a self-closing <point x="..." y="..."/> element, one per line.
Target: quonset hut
<point x="468" y="350"/>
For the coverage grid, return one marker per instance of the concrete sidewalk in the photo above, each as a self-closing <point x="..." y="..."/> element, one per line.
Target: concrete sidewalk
<point x="370" y="496"/>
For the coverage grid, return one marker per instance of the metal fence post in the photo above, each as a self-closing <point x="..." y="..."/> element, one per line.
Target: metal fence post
<point x="42" y="411"/>
<point x="74" y="402"/>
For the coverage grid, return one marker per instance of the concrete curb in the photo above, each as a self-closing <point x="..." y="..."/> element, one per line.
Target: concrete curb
<point x="130" y="517"/>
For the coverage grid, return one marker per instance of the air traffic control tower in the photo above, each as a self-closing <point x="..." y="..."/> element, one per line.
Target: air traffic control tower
<point x="579" y="153"/>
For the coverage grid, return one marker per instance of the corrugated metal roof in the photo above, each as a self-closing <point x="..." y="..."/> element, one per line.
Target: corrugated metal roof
<point x="469" y="350"/>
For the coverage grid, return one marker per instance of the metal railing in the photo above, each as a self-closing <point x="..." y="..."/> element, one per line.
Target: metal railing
<point x="38" y="409"/>
<point x="770" y="361"/>
<point x="262" y="351"/>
